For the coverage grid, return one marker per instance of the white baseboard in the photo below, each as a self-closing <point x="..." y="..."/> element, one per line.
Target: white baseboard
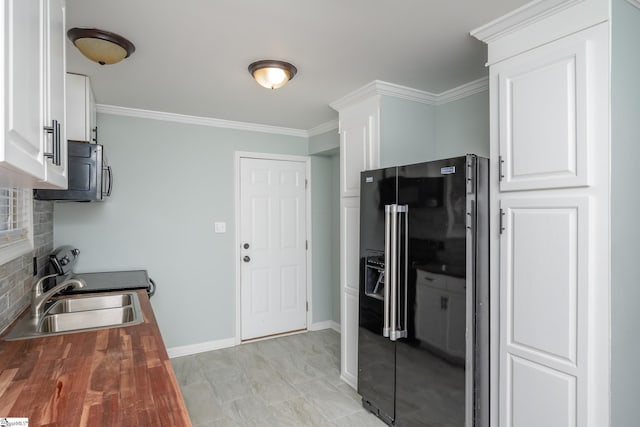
<point x="350" y="379"/>
<point x="202" y="347"/>
<point x="326" y="324"/>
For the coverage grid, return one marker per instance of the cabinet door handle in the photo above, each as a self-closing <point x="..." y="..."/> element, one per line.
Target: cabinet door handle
<point x="54" y="155"/>
<point x="95" y="132"/>
<point x="57" y="155"/>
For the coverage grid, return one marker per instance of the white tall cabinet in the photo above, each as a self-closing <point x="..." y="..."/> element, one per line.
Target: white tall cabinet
<point x="81" y="109"/>
<point x="549" y="96"/>
<point x="359" y="150"/>
<point x="32" y="85"/>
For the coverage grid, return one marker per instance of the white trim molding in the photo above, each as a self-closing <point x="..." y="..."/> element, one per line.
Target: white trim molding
<point x="186" y="350"/>
<point x="323" y="128"/>
<point x="635" y="3"/>
<point x="462" y="91"/>
<point x="521" y="17"/>
<point x="196" y="120"/>
<point x="326" y="324"/>
<point x="378" y="87"/>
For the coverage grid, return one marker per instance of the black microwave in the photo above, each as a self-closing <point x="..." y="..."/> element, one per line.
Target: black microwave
<point x="90" y="178"/>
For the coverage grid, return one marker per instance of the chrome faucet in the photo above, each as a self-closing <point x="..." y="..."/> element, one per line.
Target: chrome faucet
<point x="39" y="298"/>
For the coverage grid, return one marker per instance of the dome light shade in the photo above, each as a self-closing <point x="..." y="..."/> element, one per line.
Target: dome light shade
<point x="272" y="74"/>
<point x="101" y="46"/>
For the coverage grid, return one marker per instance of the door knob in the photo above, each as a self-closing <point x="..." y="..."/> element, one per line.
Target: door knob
<point x="246" y="246"/>
<point x="246" y="258"/>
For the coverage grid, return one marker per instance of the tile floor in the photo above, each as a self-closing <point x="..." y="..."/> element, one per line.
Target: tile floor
<point x="286" y="381"/>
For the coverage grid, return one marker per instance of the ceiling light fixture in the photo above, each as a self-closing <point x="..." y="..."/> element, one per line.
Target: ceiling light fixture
<point x="101" y="46"/>
<point x="272" y="74"/>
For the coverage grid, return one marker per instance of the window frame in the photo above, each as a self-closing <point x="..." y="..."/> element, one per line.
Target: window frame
<point x="24" y="245"/>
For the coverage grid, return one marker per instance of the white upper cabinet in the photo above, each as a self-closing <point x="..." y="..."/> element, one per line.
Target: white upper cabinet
<point x="359" y="143"/>
<point x="32" y="149"/>
<point x="54" y="96"/>
<point x="81" y="109"/>
<point x="545" y="99"/>
<point x="22" y="149"/>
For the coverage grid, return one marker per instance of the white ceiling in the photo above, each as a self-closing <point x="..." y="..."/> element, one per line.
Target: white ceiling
<point x="192" y="55"/>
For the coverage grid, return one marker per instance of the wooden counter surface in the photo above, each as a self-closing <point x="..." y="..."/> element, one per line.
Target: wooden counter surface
<point x="110" y="377"/>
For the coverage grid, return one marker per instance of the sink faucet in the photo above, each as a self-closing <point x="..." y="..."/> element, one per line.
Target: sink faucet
<point x="39" y="298"/>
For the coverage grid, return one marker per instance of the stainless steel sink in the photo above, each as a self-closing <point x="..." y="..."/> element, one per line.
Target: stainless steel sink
<point x="70" y="305"/>
<point x="83" y="320"/>
<point x="81" y="313"/>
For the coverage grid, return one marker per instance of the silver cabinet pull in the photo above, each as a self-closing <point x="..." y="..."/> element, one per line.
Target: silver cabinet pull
<point x="55" y="154"/>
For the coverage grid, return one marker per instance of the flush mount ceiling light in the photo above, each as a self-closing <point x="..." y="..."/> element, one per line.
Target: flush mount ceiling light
<point x="101" y="46"/>
<point x="272" y="74"/>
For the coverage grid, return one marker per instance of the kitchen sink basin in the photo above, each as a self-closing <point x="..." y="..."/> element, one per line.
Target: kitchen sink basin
<point x="83" y="320"/>
<point x="81" y="313"/>
<point x="70" y="305"/>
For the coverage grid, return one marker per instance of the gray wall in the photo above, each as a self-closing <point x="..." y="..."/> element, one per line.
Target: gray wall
<point x="321" y="245"/>
<point x="335" y="233"/>
<point x="407" y="131"/>
<point x="16" y="276"/>
<point x="325" y="193"/>
<point x="462" y="127"/>
<point x="413" y="132"/>
<point x="172" y="181"/>
<point x="625" y="205"/>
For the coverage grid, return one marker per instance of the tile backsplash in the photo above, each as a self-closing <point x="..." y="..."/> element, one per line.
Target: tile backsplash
<point x="16" y="276"/>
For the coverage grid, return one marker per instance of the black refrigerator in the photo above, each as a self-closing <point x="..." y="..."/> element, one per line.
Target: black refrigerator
<point x="423" y="337"/>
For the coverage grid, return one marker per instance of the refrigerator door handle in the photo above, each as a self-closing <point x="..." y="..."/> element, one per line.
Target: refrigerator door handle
<point x="387" y="267"/>
<point x="398" y="325"/>
<point x="393" y="273"/>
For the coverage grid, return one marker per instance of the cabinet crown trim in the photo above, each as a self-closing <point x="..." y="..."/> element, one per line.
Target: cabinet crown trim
<point x="635" y="3"/>
<point x="521" y="17"/>
<point x="378" y="87"/>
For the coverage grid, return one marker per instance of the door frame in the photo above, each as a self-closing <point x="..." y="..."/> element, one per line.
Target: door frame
<point x="238" y="155"/>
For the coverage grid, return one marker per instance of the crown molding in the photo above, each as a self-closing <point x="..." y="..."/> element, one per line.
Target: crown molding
<point x="378" y="87"/>
<point x="463" y="91"/>
<point x="521" y="17"/>
<point x="324" y="127"/>
<point x="635" y="3"/>
<point x="196" y="120"/>
<point x="355" y="97"/>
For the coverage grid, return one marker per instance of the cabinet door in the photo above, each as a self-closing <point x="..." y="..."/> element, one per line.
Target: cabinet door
<point x="76" y="104"/>
<point x="80" y="109"/>
<point x="544" y="308"/>
<point x="24" y="136"/>
<point x="54" y="95"/>
<point x="548" y="98"/>
<point x="359" y="146"/>
<point x="349" y="284"/>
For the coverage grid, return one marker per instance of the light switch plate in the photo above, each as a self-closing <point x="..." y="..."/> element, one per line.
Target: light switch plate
<point x="220" y="227"/>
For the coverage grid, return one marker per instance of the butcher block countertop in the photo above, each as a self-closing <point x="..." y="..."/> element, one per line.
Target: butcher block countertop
<point x="109" y="377"/>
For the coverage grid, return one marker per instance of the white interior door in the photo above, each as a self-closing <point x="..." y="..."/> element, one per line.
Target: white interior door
<point x="273" y="247"/>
